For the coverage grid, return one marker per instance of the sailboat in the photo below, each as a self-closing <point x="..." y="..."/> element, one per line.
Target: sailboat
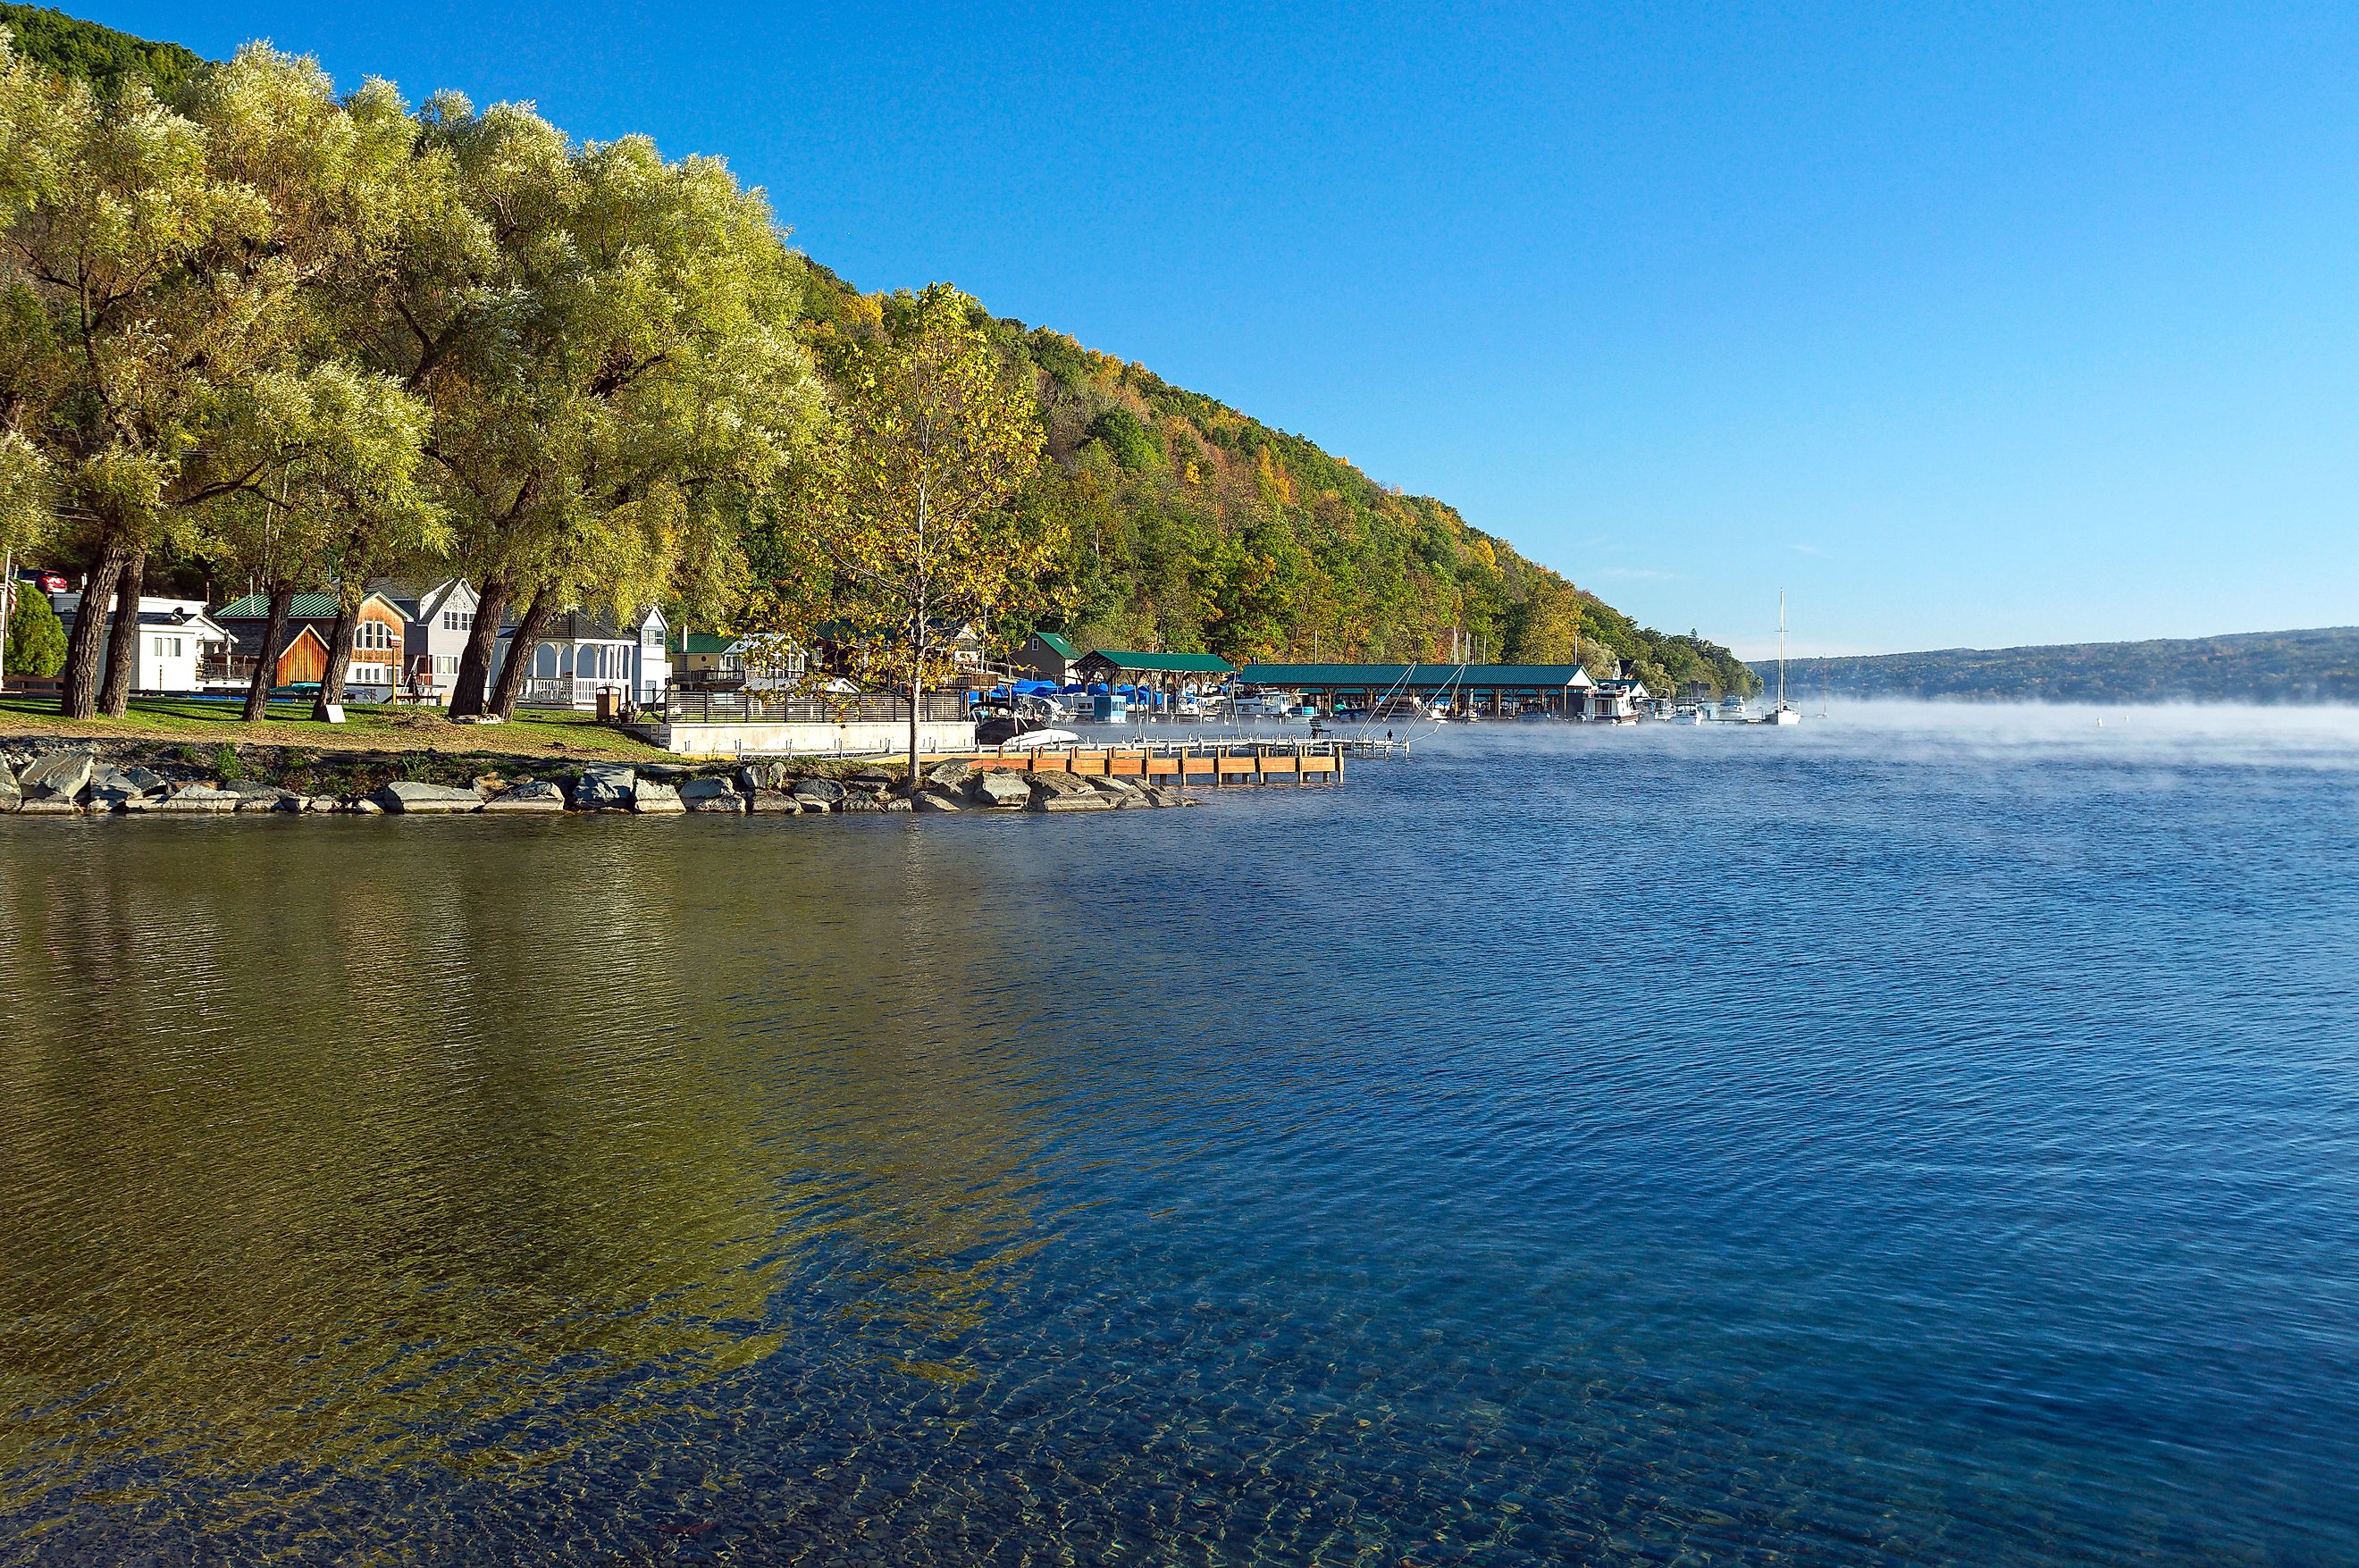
<point x="1784" y="712"/>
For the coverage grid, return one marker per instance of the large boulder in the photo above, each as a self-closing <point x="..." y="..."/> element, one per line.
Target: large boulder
<point x="770" y="801"/>
<point x="826" y="791"/>
<point x="57" y="778"/>
<point x="10" y="795"/>
<point x="412" y="799"/>
<point x="1162" y="796"/>
<point x="528" y="795"/>
<point x="119" y="787"/>
<point x="650" y="798"/>
<point x="860" y="801"/>
<point x="605" y="786"/>
<point x="1122" y="793"/>
<point x="1001" y="788"/>
<point x="710" y="795"/>
<point x="198" y="797"/>
<point x="760" y="775"/>
<point x="934" y="798"/>
<point x="1063" y="792"/>
<point x="871" y="781"/>
<point x="950" y="775"/>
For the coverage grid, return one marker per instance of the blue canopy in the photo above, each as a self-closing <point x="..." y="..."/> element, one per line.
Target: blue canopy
<point x="1033" y="688"/>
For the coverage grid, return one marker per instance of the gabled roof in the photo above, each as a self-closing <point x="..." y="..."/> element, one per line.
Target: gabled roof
<point x="701" y="642"/>
<point x="1164" y="663"/>
<point x="256" y="607"/>
<point x="578" y="626"/>
<point x="1055" y="644"/>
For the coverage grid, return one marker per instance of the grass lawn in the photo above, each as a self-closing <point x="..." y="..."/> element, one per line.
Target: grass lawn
<point x="367" y="727"/>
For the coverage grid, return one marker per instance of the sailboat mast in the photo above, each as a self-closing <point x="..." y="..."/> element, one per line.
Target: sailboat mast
<point x="1781" y="649"/>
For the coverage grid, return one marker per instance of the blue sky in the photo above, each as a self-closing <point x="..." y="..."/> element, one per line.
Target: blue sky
<point x="1979" y="325"/>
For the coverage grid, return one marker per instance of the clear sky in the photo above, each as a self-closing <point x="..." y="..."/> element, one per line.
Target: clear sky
<point x="1980" y="325"/>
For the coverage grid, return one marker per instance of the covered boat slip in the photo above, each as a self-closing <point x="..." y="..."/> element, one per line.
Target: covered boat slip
<point x="1560" y="690"/>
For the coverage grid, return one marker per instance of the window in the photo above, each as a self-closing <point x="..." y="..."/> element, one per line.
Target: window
<point x="159" y="647"/>
<point x="175" y="647"/>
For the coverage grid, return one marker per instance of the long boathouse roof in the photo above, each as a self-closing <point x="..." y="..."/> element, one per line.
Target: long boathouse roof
<point x="1164" y="663"/>
<point x="1419" y="677"/>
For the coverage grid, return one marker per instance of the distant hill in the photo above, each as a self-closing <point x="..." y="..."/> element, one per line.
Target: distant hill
<point x="2320" y="666"/>
<point x="98" y="55"/>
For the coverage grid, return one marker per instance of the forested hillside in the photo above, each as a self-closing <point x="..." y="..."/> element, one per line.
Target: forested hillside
<point x="1193" y="526"/>
<point x="2256" y="666"/>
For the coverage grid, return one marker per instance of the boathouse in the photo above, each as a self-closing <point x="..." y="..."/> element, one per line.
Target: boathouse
<point x="1166" y="674"/>
<point x="1559" y="690"/>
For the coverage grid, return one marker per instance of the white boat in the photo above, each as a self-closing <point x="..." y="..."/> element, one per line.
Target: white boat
<point x="1785" y="713"/>
<point x="1030" y="738"/>
<point x="1687" y="714"/>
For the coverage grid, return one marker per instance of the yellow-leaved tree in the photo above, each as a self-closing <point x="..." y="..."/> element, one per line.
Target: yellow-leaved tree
<point x="902" y="536"/>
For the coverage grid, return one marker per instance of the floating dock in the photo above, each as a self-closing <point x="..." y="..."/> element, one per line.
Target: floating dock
<point x="1181" y="763"/>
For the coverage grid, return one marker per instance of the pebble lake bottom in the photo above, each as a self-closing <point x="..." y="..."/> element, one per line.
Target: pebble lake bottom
<point x="1925" y="1135"/>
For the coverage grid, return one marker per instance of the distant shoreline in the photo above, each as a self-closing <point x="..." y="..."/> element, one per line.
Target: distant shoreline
<point x="2319" y="667"/>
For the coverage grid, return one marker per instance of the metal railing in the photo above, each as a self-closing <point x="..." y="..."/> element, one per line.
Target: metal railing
<point x="709" y="707"/>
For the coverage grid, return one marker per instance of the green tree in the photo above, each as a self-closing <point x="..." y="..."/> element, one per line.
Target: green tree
<point x="37" y="638"/>
<point x="906" y="529"/>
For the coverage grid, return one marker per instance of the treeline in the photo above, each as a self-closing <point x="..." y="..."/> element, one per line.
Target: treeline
<point x="2320" y="666"/>
<point x="293" y="338"/>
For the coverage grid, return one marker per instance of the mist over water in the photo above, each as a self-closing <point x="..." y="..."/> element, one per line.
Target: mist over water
<point x="1931" y="1134"/>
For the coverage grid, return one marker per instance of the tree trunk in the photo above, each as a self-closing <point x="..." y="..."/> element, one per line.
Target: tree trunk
<point x="916" y="688"/>
<point x="265" y="667"/>
<point x="467" y="696"/>
<point x="340" y="658"/>
<point x="78" y="693"/>
<point x="123" y="642"/>
<point x="518" y="665"/>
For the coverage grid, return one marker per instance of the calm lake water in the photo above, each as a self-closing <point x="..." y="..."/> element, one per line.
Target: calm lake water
<point x="1915" y="1138"/>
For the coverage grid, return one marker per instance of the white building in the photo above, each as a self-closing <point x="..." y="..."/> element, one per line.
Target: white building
<point x="176" y="636"/>
<point x="581" y="654"/>
<point x="438" y="622"/>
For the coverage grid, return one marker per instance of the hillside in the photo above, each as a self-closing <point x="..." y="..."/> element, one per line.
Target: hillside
<point x="1198" y="527"/>
<point x="2320" y="666"/>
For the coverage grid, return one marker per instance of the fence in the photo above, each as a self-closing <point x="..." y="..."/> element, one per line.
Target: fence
<point x="706" y="707"/>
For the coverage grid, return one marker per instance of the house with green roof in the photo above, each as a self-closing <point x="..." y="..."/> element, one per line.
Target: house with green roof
<point x="1047" y="656"/>
<point x="380" y="638"/>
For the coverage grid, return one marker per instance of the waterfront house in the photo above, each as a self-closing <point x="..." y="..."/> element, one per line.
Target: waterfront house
<point x="380" y="632"/>
<point x="1617" y="702"/>
<point x="178" y="641"/>
<point x="436" y="625"/>
<point x="1047" y="656"/>
<point x="581" y="654"/>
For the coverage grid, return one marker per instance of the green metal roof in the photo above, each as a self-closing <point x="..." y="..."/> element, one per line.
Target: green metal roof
<point x="256" y="607"/>
<point x="1417" y="677"/>
<point x="1165" y="663"/>
<point x="1057" y="645"/>
<point x="701" y="642"/>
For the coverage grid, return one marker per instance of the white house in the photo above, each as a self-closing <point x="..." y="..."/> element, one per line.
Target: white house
<point x="438" y="622"/>
<point x="581" y="654"/>
<point x="176" y="637"/>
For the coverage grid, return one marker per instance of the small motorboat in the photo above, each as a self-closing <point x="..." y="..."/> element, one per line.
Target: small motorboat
<point x="1030" y="738"/>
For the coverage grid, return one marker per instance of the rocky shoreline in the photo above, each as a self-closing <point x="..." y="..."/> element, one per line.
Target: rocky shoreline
<point x="42" y="777"/>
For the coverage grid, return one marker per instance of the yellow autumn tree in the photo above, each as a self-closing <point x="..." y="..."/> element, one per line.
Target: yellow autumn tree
<point x="904" y="533"/>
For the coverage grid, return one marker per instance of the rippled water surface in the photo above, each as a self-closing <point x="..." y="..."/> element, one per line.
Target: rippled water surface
<point x="1909" y="1138"/>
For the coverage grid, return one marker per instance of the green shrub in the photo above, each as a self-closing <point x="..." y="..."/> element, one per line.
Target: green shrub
<point x="37" y="638"/>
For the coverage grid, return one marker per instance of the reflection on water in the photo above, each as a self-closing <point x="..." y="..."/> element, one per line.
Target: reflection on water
<point x="1890" y="1139"/>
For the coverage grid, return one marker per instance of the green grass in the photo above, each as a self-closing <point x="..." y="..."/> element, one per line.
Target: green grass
<point x="367" y="727"/>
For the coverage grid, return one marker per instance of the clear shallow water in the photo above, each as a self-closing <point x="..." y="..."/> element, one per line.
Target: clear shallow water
<point x="1928" y="1137"/>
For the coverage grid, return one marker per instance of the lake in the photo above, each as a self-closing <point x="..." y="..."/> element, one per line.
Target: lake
<point x="1924" y="1135"/>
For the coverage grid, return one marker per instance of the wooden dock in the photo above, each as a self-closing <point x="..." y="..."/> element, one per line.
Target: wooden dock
<point x="1179" y="763"/>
